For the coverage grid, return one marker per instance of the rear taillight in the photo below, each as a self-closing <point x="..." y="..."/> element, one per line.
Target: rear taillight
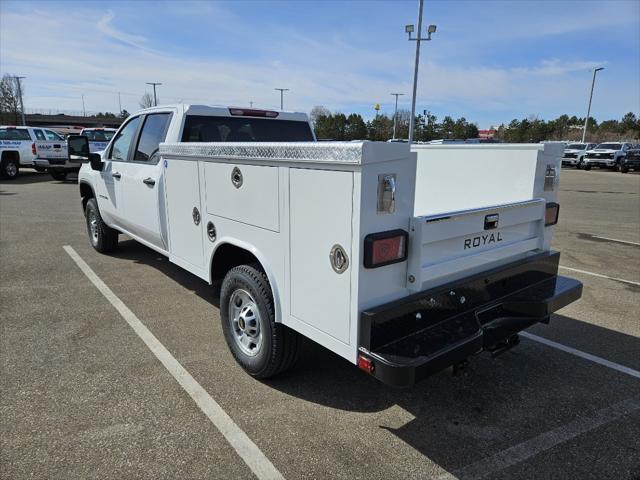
<point x="246" y="112"/>
<point x="33" y="148"/>
<point x="551" y="214"/>
<point x="385" y="248"/>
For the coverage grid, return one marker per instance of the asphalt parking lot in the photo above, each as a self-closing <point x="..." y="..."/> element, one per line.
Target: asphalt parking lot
<point x="84" y="397"/>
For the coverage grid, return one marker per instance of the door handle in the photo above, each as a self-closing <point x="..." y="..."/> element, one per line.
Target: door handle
<point x="149" y="181"/>
<point x="116" y="175"/>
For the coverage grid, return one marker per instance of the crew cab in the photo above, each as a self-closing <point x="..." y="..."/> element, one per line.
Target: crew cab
<point x="403" y="262"/>
<point x="16" y="148"/>
<point x="606" y="155"/>
<point x="573" y="154"/>
<point x="631" y="160"/>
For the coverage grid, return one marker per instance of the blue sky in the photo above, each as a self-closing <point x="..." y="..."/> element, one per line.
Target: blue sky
<point x="489" y="61"/>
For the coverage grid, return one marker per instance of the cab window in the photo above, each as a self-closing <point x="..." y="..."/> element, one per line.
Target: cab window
<point x="123" y="140"/>
<point x="52" y="136"/>
<point x="153" y="133"/>
<point x="39" y="134"/>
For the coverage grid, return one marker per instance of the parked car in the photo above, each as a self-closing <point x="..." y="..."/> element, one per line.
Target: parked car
<point x="606" y="155"/>
<point x="17" y="150"/>
<point x="331" y="240"/>
<point x="573" y="154"/>
<point x="631" y="160"/>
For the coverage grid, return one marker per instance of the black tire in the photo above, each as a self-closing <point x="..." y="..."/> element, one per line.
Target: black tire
<point x="9" y="168"/>
<point x="60" y="175"/>
<point x="624" y="169"/>
<point x="279" y="345"/>
<point x="40" y="169"/>
<point x="580" y="164"/>
<point x="587" y="167"/>
<point x="104" y="238"/>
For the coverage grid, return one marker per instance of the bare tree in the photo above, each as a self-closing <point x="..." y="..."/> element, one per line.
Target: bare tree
<point x="146" y="101"/>
<point x="319" y="111"/>
<point x="9" y="100"/>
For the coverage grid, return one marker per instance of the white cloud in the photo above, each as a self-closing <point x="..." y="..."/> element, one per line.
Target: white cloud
<point x="105" y="26"/>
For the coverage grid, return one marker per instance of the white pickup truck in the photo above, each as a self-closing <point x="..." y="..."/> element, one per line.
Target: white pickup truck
<point x="17" y="148"/>
<point x="53" y="156"/>
<point x="404" y="263"/>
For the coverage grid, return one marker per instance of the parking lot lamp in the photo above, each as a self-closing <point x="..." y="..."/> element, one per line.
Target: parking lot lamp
<point x="586" y="120"/>
<point x="18" y="83"/>
<point x="395" y="115"/>
<point x="282" y="90"/>
<point x="155" y="98"/>
<point x="409" y="30"/>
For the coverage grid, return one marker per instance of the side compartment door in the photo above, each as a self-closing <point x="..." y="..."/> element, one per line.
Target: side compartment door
<point x="109" y="181"/>
<point x="320" y="220"/>
<point x="143" y="182"/>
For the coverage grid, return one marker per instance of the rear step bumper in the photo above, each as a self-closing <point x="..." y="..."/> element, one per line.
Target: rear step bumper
<point x="409" y="339"/>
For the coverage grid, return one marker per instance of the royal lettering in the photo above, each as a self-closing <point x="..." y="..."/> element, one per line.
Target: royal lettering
<point x="482" y="240"/>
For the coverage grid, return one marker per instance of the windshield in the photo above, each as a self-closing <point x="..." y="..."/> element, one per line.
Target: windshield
<point x="98" y="135"/>
<point x="576" y="146"/>
<point x="200" y="128"/>
<point x="610" y="146"/>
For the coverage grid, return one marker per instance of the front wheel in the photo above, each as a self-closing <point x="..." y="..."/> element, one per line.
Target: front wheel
<point x="60" y="175"/>
<point x="40" y="169"/>
<point x="587" y="167"/>
<point x="624" y="169"/>
<point x="580" y="164"/>
<point x="262" y="347"/>
<point x="102" y="237"/>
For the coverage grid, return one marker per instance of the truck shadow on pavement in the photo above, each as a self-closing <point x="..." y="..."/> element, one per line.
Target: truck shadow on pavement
<point x="494" y="404"/>
<point x="27" y="177"/>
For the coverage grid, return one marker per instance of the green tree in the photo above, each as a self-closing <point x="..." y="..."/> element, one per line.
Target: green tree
<point x="356" y="128"/>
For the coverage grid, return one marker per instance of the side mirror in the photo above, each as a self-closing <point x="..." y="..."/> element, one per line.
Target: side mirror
<point x="78" y="149"/>
<point x="78" y="152"/>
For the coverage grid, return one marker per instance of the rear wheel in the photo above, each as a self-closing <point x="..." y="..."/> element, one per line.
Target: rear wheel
<point x="262" y="347"/>
<point x="58" y="175"/>
<point x="102" y="237"/>
<point x="9" y="168"/>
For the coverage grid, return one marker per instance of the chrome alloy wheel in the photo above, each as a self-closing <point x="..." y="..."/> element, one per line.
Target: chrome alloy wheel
<point x="93" y="227"/>
<point x="245" y="322"/>
<point x="11" y="170"/>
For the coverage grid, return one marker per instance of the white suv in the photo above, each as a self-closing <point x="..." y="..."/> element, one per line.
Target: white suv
<point x="17" y="149"/>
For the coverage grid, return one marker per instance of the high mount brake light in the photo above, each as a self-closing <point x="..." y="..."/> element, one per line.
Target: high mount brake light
<point x="551" y="214"/>
<point x="247" y="112"/>
<point x="385" y="248"/>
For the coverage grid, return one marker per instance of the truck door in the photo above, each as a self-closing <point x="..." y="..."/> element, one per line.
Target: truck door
<point x="109" y="181"/>
<point x="142" y="182"/>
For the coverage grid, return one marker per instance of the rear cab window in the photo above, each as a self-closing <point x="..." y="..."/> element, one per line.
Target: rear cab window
<point x="204" y="128"/>
<point x="53" y="136"/>
<point x="39" y="134"/>
<point x="14" y="134"/>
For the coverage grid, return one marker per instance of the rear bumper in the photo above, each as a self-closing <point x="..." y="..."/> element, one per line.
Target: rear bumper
<point x="56" y="163"/>
<point x="410" y="339"/>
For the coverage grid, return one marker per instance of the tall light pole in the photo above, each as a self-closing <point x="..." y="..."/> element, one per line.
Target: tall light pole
<point x="395" y="115"/>
<point x="119" y="104"/>
<point x="155" y="98"/>
<point x="84" y="112"/>
<point x="20" y="95"/>
<point x="586" y="120"/>
<point x="409" y="29"/>
<point x="282" y="90"/>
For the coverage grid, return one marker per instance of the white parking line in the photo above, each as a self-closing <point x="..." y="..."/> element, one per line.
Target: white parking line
<point x="241" y="443"/>
<point x="616" y="240"/>
<point x="630" y="282"/>
<point x="545" y="441"/>
<point x="581" y="354"/>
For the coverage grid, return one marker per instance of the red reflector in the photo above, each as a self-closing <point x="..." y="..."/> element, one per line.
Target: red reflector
<point x="551" y="214"/>
<point x="33" y="148"/>
<point x="387" y="249"/>
<point x="365" y="364"/>
<point x="247" y="112"/>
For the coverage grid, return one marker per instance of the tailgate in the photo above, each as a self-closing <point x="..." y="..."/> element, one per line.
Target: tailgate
<point x="51" y="150"/>
<point x="445" y="247"/>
